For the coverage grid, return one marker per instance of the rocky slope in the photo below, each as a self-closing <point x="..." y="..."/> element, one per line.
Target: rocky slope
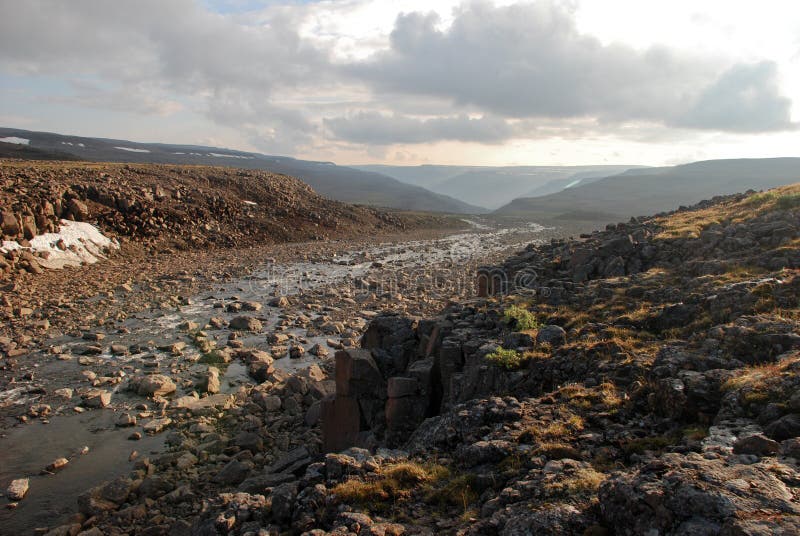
<point x="342" y="183"/>
<point x="640" y="380"/>
<point x="184" y="207"/>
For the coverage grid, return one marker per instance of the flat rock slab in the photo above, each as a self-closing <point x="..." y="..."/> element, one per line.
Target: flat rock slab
<point x="17" y="489"/>
<point x="157" y="425"/>
<point x="220" y="400"/>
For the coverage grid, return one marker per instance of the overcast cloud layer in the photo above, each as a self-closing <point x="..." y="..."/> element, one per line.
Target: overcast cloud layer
<point x="492" y="74"/>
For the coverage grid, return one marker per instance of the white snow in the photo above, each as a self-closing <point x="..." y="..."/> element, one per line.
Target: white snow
<point x="132" y="150"/>
<point x="84" y="242"/>
<point x="573" y="183"/>
<point x="251" y="203"/>
<point x="14" y="139"/>
<point x="220" y="155"/>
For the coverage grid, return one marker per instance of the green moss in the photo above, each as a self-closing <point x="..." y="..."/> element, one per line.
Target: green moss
<point x="214" y="359"/>
<point x="639" y="445"/>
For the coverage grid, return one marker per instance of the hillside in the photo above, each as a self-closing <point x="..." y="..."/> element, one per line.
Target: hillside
<point x="494" y="186"/>
<point x="337" y="182"/>
<point x="642" y="380"/>
<point x="650" y="190"/>
<point x="188" y="207"/>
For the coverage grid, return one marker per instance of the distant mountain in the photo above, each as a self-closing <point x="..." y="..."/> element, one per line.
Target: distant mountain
<point x="336" y="182"/>
<point x="493" y="186"/>
<point x="642" y="191"/>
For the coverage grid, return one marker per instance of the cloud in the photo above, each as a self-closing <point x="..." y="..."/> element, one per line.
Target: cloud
<point x="142" y="100"/>
<point x="530" y="61"/>
<point x="382" y="129"/>
<point x="746" y="98"/>
<point x="486" y="74"/>
<point x="148" y="55"/>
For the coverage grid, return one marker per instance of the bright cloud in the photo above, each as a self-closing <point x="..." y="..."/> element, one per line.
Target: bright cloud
<point x="363" y="80"/>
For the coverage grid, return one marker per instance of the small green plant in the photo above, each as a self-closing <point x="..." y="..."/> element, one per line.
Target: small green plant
<point x="760" y="199"/>
<point x="508" y="359"/>
<point x="215" y="359"/>
<point x="788" y="201"/>
<point x="520" y="318"/>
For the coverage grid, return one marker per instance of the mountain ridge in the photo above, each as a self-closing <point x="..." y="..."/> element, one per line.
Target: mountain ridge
<point x="340" y="183"/>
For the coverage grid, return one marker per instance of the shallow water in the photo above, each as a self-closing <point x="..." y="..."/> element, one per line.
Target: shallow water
<point x="27" y="450"/>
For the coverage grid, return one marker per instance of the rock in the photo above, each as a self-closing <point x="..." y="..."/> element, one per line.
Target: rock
<point x="155" y="426"/>
<point x="233" y="473"/>
<point x="251" y="306"/>
<point x="64" y="392"/>
<point x="292" y="462"/>
<point x="357" y="374"/>
<point x="318" y="350"/>
<point x="78" y="210"/>
<point x="125" y="420"/>
<point x="552" y="335"/>
<point x="217" y="323"/>
<point x="10" y="225"/>
<point x="155" y="385"/>
<point x="278" y="338"/>
<point x="175" y="348"/>
<point x="246" y="323"/>
<point x="667" y="497"/>
<point x="97" y="398"/>
<point x="17" y="489"/>
<point x="260" y="371"/>
<point x="786" y="427"/>
<point x="791" y="448"/>
<point x="249" y="441"/>
<point x="189" y="326"/>
<point x="283" y="498"/>
<point x="757" y="444"/>
<point x="281" y="301"/>
<point x="58" y="463"/>
<point x="398" y="387"/>
<point x="210" y="382"/>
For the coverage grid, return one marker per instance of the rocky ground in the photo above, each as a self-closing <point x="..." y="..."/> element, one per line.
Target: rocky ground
<point x="102" y="366"/>
<point x="640" y="380"/>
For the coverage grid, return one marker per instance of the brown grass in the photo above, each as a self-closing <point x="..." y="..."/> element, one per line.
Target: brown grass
<point x="691" y="224"/>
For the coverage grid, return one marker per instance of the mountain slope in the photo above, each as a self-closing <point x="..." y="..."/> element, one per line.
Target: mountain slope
<point x="337" y="182"/>
<point x="494" y="186"/>
<point x="636" y="192"/>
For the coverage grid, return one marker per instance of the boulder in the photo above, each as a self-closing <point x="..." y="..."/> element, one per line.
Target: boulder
<point x="787" y="427"/>
<point x="552" y="335"/>
<point x="17" y="489"/>
<point x="678" y="494"/>
<point x="210" y="382"/>
<point x="155" y="385"/>
<point x="246" y="323"/>
<point x="756" y="444"/>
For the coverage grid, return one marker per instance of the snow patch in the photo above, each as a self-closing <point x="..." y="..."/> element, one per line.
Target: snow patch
<point x="83" y="241"/>
<point x="251" y="203"/>
<point x="220" y="155"/>
<point x="14" y="139"/>
<point x="132" y="150"/>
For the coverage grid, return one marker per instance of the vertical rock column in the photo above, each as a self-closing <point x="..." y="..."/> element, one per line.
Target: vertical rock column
<point x="358" y="406"/>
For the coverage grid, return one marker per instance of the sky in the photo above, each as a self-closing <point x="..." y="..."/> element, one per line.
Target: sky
<point x="413" y="82"/>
